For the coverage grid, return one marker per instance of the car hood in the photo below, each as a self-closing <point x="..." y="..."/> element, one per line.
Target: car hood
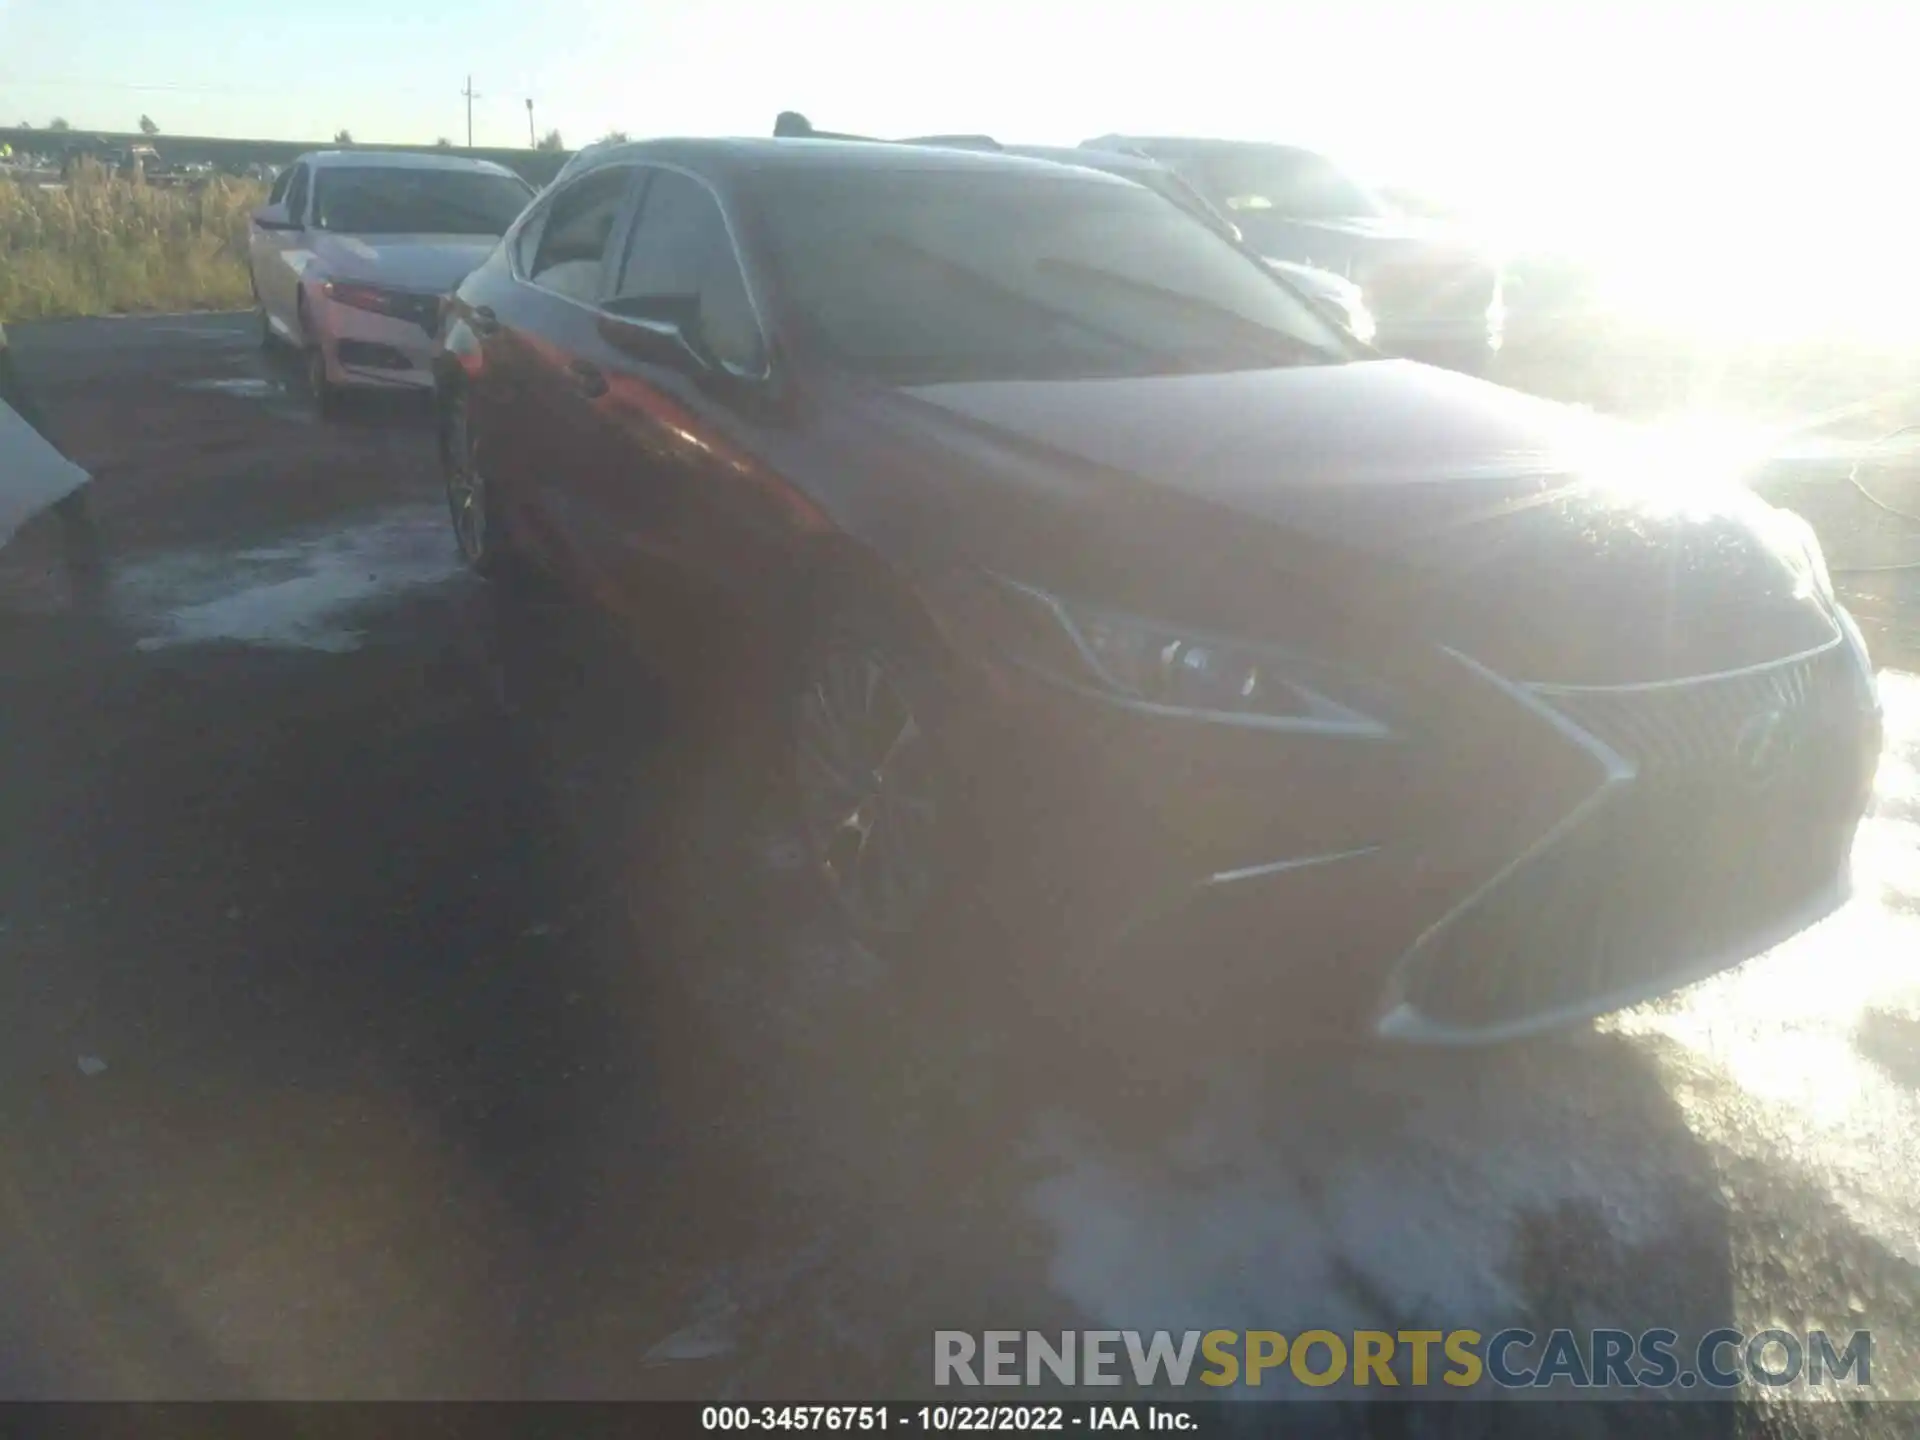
<point x="435" y="264"/>
<point x="1357" y="244"/>
<point x="1374" y="502"/>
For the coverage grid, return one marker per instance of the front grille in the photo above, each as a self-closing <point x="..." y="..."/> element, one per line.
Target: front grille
<point x="1401" y="291"/>
<point x="368" y="356"/>
<point x="1736" y="816"/>
<point x="1715" y="723"/>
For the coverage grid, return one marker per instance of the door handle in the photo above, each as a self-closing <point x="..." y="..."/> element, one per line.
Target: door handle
<point x="587" y="379"/>
<point x="483" y="320"/>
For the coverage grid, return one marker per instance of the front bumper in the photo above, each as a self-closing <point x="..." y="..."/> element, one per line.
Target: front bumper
<point x="1537" y="855"/>
<point x="368" y="350"/>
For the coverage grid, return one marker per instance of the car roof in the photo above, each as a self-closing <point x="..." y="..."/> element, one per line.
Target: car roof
<point x="1117" y="162"/>
<point x="1190" y="146"/>
<point x="398" y="160"/>
<point x="759" y="155"/>
<point x="1113" y="162"/>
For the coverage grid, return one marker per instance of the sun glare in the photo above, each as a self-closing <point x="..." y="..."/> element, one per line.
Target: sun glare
<point x="1732" y="175"/>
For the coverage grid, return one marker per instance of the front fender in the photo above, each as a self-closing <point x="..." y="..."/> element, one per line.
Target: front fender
<point x="459" y="357"/>
<point x="460" y="345"/>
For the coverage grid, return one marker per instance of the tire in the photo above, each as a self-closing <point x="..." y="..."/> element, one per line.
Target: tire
<point x="326" y="396"/>
<point x="728" y="876"/>
<point x="472" y="505"/>
<point x="324" y="393"/>
<point x="268" y="340"/>
<point x="873" y="767"/>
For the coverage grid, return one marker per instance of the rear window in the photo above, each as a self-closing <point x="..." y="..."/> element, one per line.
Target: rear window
<point x="370" y="201"/>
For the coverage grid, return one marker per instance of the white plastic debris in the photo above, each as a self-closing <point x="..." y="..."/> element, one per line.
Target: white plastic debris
<point x="91" y="1065"/>
<point x="33" y="475"/>
<point x="696" y="1342"/>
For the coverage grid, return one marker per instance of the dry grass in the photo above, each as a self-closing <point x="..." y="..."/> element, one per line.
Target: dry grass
<point x="107" y="246"/>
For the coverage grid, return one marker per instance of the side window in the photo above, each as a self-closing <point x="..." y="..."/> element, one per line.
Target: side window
<point x="297" y="195"/>
<point x="526" y="245"/>
<point x="681" y="250"/>
<point x="571" y="249"/>
<point x="280" y="183"/>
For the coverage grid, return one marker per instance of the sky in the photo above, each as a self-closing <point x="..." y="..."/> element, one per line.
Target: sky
<point x="1697" y="147"/>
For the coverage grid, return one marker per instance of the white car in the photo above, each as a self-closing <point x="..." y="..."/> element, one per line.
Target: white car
<point x="355" y="250"/>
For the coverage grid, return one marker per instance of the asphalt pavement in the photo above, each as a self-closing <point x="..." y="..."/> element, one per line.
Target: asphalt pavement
<point x="396" y="1003"/>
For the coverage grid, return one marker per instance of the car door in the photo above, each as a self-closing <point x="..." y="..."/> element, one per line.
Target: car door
<point x="545" y="333"/>
<point x="263" y="251"/>
<point x="285" y="254"/>
<point x="675" y="491"/>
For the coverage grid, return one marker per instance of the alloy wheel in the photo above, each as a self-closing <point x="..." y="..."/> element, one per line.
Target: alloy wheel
<point x="864" y="773"/>
<point x="466" y="488"/>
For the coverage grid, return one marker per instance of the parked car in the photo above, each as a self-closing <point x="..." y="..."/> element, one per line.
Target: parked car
<point x="355" y="250"/>
<point x="1432" y="290"/>
<point x="137" y="162"/>
<point x="1340" y="296"/>
<point x="1083" y="566"/>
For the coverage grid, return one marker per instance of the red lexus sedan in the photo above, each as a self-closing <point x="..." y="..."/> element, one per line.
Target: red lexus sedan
<point x="1081" y="561"/>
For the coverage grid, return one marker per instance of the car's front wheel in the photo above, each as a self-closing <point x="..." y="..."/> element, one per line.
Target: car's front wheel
<point x="261" y="319"/>
<point x="873" y="775"/>
<point x="471" y="502"/>
<point x="320" y="387"/>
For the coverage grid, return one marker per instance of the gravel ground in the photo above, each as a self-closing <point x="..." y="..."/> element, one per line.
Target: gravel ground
<point x="367" y="1035"/>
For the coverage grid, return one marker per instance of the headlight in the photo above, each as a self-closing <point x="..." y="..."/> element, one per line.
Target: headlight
<point x="1168" y="670"/>
<point x="1799" y="546"/>
<point x="1359" y="319"/>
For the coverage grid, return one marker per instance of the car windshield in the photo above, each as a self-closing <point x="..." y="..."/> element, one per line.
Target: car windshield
<point x="919" y="276"/>
<point x="378" y="201"/>
<point x="1278" y="184"/>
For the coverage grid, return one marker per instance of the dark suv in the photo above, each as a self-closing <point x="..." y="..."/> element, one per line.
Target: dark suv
<point x="1339" y="297"/>
<point x="1081" y="566"/>
<point x="1433" y="292"/>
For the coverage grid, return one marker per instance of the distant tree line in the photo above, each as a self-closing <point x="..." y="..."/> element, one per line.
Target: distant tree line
<point x="551" y="143"/>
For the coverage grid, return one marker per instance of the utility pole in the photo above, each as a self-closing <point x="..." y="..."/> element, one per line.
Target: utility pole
<point x="531" y="142"/>
<point x="472" y="95"/>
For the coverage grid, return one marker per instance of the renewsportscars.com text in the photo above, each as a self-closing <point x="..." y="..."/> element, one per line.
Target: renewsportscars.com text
<point x="1414" y="1359"/>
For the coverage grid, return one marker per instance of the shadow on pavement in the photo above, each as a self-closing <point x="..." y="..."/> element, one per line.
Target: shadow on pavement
<point x="884" y="1159"/>
<point x="471" y="1049"/>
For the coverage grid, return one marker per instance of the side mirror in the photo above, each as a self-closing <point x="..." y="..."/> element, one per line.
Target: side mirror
<point x="657" y="328"/>
<point x="274" y="217"/>
<point x="665" y="330"/>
